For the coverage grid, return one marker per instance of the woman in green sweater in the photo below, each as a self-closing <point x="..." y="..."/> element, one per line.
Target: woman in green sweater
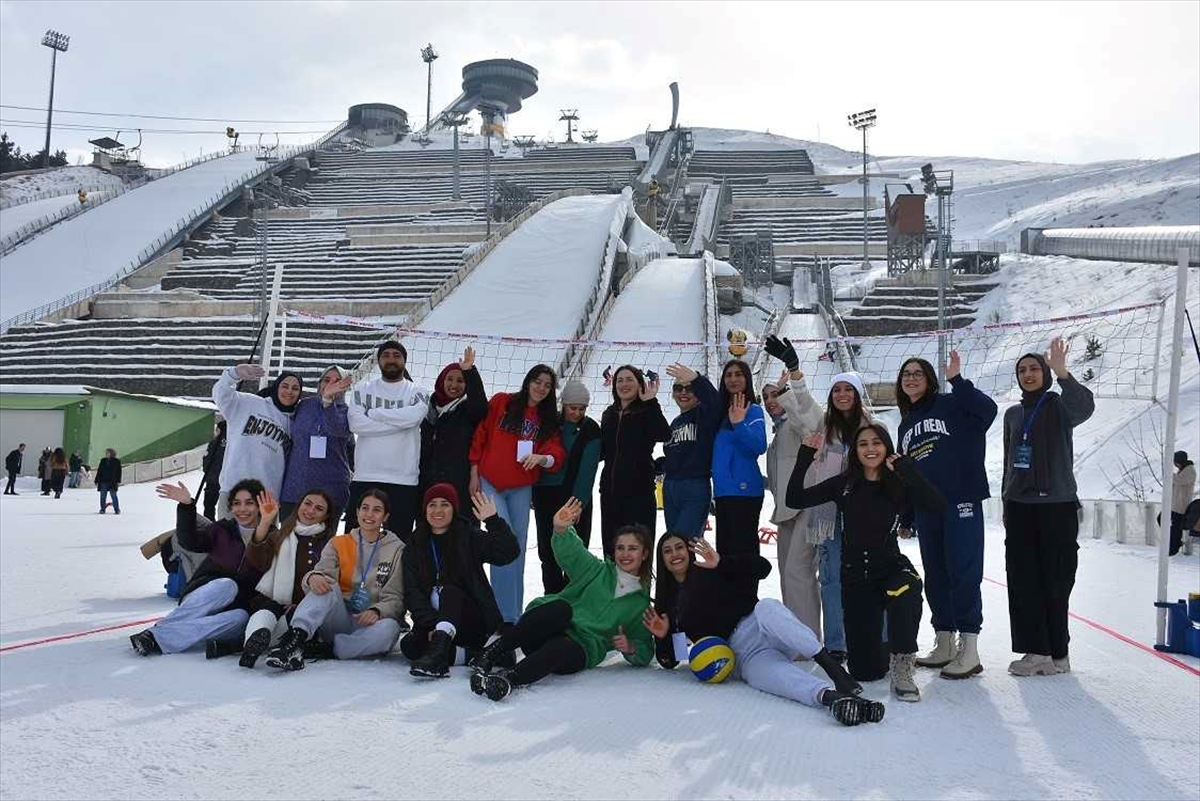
<point x="599" y="610"/>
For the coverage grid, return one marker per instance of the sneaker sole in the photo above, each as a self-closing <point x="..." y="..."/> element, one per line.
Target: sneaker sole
<point x="929" y="664"/>
<point x="477" y="682"/>
<point x="975" y="671"/>
<point x="1049" y="670"/>
<point x="911" y="698"/>
<point x="427" y="674"/>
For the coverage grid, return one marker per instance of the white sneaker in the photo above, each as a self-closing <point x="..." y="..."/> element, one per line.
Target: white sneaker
<point x="903" y="686"/>
<point x="1033" y="665"/>
<point x="943" y="652"/>
<point x="966" y="661"/>
<point x="1063" y="665"/>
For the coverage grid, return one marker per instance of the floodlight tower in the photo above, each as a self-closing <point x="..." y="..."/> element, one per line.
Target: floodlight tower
<point x="941" y="183"/>
<point x="455" y="121"/>
<point x="862" y="121"/>
<point x="428" y="55"/>
<point x="569" y="116"/>
<point x="57" y="42"/>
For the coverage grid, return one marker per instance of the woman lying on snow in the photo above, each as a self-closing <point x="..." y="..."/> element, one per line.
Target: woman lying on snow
<point x="600" y="609"/>
<point x="719" y="597"/>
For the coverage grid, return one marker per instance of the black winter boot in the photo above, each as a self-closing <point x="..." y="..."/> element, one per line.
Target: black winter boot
<point x="289" y="653"/>
<point x="496" y="685"/>
<point x="144" y="643"/>
<point x="215" y="649"/>
<point x="256" y="645"/>
<point x="850" y="710"/>
<point x="833" y="668"/>
<point x="496" y="653"/>
<point x="435" y="662"/>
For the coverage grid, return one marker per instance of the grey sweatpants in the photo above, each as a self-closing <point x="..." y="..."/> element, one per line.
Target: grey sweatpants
<point x="202" y="616"/>
<point x="798" y="573"/>
<point x="767" y="643"/>
<point x="327" y="614"/>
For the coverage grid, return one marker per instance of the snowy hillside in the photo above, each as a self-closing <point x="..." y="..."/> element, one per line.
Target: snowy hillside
<point x="63" y="181"/>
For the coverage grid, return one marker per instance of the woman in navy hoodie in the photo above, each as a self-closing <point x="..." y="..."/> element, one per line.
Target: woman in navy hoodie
<point x="945" y="436"/>
<point x="738" y="485"/>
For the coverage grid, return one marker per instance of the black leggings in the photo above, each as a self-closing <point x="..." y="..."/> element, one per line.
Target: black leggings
<point x="737" y="524"/>
<point x="619" y="510"/>
<point x="541" y="636"/>
<point x="546" y="501"/>
<point x="459" y="610"/>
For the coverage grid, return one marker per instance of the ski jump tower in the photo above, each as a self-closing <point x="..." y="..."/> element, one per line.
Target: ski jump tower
<point x="495" y="88"/>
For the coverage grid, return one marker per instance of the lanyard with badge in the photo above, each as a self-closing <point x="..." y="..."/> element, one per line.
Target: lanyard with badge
<point x="1023" y="460"/>
<point x="361" y="597"/>
<point x="317" y="442"/>
<point x="435" y="597"/>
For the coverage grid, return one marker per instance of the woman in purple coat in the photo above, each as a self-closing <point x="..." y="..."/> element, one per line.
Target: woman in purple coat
<point x="319" y="458"/>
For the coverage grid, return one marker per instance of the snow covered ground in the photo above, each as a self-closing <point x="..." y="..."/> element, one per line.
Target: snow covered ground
<point x="62" y="181"/>
<point x="85" y="717"/>
<point x="94" y="246"/>
<point x="14" y="217"/>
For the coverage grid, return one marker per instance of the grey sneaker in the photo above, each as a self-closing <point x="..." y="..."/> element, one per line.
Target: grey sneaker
<point x="1033" y="665"/>
<point x="903" y="686"/>
<point x="1063" y="665"/>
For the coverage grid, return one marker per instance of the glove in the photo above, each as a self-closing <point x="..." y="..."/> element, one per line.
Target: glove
<point x="245" y="372"/>
<point x="782" y="350"/>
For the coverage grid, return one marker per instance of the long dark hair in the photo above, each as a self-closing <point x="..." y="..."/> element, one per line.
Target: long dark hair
<point x="844" y="427"/>
<point x="726" y="398"/>
<point x="290" y="523"/>
<point x="666" y="588"/>
<point x="514" y="415"/>
<point x="451" y="545"/>
<point x="854" y="467"/>
<point x="931" y="384"/>
<point x="646" y="571"/>
<point x="638" y="376"/>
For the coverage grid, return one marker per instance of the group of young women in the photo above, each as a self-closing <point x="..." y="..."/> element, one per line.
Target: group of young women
<point x="843" y="496"/>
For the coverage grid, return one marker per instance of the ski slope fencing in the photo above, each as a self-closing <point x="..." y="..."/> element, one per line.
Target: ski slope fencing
<point x="1115" y="353"/>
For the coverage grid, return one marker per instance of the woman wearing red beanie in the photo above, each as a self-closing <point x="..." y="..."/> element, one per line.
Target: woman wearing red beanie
<point x="445" y="589"/>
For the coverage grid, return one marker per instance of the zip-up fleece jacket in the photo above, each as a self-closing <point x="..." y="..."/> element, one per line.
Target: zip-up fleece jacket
<point x="257" y="438"/>
<point x="627" y="447"/>
<point x="495" y="450"/>
<point x="688" y="450"/>
<point x="735" y="455"/>
<point x="385" y="575"/>
<point x="581" y="442"/>
<point x="386" y="416"/>
<point x="597" y="613"/>
<point x="946" y="436"/>
<point x="225" y="551"/>
<point x="332" y="474"/>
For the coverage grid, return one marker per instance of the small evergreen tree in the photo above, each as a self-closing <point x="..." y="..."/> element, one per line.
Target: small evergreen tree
<point x="1093" y="349"/>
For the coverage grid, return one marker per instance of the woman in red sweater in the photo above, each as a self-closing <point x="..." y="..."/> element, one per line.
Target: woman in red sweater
<point x="518" y="440"/>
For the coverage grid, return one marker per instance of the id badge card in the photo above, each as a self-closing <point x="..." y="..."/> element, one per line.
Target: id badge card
<point x="524" y="448"/>
<point x="358" y="599"/>
<point x="316" y="447"/>
<point x="680" y="641"/>
<point x="435" y="598"/>
<point x="1024" y="457"/>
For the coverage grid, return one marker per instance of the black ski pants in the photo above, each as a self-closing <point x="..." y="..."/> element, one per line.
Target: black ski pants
<point x="1041" y="553"/>
<point x="620" y="510"/>
<point x="541" y="635"/>
<point x="737" y="524"/>
<point x="873" y="585"/>
<point x="546" y="501"/>
<point x="11" y="487"/>
<point x="459" y="610"/>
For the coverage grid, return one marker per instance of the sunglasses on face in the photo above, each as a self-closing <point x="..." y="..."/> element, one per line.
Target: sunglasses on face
<point x="681" y="388"/>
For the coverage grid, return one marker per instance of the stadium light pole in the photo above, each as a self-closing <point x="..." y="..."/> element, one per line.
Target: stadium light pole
<point x="862" y="121"/>
<point x="57" y="42"/>
<point x="941" y="184"/>
<point x="428" y="55"/>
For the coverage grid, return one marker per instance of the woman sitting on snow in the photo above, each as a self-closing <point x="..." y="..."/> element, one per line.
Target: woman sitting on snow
<point x="354" y="596"/>
<point x="718" y="597"/>
<point x="285" y="555"/>
<point x="600" y="609"/>
<point x="445" y="589"/>
<point x="215" y="602"/>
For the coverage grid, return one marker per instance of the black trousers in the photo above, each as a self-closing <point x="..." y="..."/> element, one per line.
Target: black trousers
<point x="1041" y="553"/>
<point x="459" y="610"/>
<point x="869" y="591"/>
<point x="737" y="524"/>
<point x="212" y="492"/>
<point x="11" y="487"/>
<point x="619" y="510"/>
<point x="541" y="635"/>
<point x="1176" y="533"/>
<point x="547" y="501"/>
<point x="402" y="498"/>
<point x="58" y="479"/>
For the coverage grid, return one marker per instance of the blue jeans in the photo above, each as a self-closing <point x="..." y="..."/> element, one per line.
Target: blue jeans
<point x="829" y="572"/>
<point x="685" y="505"/>
<point x="508" y="581"/>
<point x="105" y="489"/>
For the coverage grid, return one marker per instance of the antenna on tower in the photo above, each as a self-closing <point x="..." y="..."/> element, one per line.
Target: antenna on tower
<point x="569" y="116"/>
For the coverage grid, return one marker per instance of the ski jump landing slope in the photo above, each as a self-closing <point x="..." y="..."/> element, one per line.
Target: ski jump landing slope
<point x="94" y="246"/>
<point x="535" y="284"/>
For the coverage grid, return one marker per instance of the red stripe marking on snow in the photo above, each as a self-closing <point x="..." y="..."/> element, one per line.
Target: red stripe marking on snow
<point x="1128" y="640"/>
<point x="61" y="637"/>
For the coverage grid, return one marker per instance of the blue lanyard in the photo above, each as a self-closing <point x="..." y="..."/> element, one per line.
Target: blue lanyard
<point x="437" y="563"/>
<point x="1031" y="416"/>
<point x="362" y="574"/>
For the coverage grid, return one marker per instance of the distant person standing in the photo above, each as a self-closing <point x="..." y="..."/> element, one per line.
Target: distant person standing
<point x="12" y="464"/>
<point x="44" y="469"/>
<point x="59" y="467"/>
<point x="211" y="464"/>
<point x="1183" y="485"/>
<point x="386" y="414"/>
<point x="108" y="479"/>
<point x="76" y="466"/>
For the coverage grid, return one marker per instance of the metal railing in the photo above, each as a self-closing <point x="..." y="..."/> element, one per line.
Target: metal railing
<point x="978" y="246"/>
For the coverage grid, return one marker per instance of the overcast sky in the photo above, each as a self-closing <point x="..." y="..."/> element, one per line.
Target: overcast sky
<point x="1065" y="82"/>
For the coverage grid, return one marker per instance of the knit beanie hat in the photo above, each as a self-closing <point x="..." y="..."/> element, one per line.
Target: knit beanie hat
<point x="1181" y="458"/>
<point x="444" y="491"/>
<point x="574" y="393"/>
<point x="391" y="344"/>
<point x="853" y="380"/>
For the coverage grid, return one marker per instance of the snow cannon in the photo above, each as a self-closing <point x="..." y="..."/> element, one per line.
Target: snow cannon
<point x="1183" y="630"/>
<point x="737" y="342"/>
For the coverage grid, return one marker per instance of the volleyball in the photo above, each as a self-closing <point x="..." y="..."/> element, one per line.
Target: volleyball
<point x="711" y="660"/>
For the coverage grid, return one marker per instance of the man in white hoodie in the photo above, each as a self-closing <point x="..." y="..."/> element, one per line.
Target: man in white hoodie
<point x="385" y="414"/>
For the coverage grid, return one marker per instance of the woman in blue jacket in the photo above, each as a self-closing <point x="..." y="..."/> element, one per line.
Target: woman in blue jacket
<point x="945" y="435"/>
<point x="738" y="485"/>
